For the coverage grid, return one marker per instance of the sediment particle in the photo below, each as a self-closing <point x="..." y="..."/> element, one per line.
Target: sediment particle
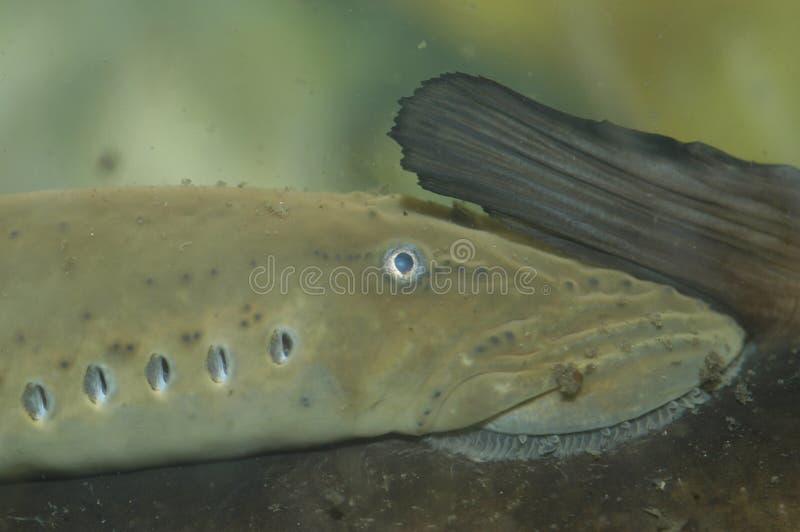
<point x="743" y="394"/>
<point x="711" y="372"/>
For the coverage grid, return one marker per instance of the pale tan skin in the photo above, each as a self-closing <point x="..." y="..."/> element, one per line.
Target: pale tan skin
<point x="111" y="276"/>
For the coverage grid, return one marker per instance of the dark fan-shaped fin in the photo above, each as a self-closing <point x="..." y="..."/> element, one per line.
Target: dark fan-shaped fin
<point x="687" y="214"/>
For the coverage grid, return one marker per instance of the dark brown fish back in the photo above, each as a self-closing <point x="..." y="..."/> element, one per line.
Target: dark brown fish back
<point x="684" y="213"/>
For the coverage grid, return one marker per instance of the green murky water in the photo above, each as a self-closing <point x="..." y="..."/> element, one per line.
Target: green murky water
<point x="301" y="93"/>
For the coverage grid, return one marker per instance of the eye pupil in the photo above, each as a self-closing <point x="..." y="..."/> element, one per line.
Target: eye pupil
<point x="403" y="262"/>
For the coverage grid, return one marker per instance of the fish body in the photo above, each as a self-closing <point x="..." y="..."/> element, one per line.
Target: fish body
<point x="148" y="326"/>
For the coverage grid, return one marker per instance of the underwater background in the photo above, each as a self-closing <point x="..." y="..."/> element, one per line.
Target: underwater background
<point x="301" y="94"/>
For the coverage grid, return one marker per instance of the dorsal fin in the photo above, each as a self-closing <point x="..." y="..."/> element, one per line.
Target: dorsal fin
<point x="687" y="214"/>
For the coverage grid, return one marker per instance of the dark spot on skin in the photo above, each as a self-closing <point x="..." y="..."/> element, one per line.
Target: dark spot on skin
<point x="186" y="277"/>
<point x="405" y="213"/>
<point x="569" y="285"/>
<point x="336" y="514"/>
<point x="69" y="264"/>
<point x="63" y="226"/>
<point x="64" y="364"/>
<point x="509" y="335"/>
<point x="494" y="340"/>
<point x="86" y="316"/>
<point x="20" y="338"/>
<point x="244" y="324"/>
<point x="14" y="233"/>
<point x="626" y="283"/>
<point x="257" y="316"/>
<point x="372" y="214"/>
<point x="186" y="338"/>
<point x="116" y="346"/>
<point x="338" y="257"/>
<point x="316" y="253"/>
<point x="305" y="402"/>
<point x="214" y="272"/>
<point x="437" y="394"/>
<point x="368" y="254"/>
<point x="324" y="256"/>
<point x="593" y="282"/>
<point x="230" y="392"/>
<point x="253" y="263"/>
<point x="129" y="347"/>
<point x="420" y="423"/>
<point x="149" y="281"/>
<point x="197" y="335"/>
<point x="426" y="412"/>
<point x="480" y="349"/>
<point x="246" y="307"/>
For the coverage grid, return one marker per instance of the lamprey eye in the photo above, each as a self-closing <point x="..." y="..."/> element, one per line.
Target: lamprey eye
<point x="404" y="262"/>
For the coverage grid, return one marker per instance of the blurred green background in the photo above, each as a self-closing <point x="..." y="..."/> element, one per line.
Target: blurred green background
<point x="302" y="93"/>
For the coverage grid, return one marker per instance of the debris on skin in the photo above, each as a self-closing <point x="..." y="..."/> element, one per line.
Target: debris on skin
<point x="568" y="378"/>
<point x="743" y="394"/>
<point x="711" y="372"/>
<point x="280" y="210"/>
<point x="656" y="321"/>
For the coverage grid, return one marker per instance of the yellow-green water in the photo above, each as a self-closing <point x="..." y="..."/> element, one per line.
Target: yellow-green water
<point x="301" y="93"/>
